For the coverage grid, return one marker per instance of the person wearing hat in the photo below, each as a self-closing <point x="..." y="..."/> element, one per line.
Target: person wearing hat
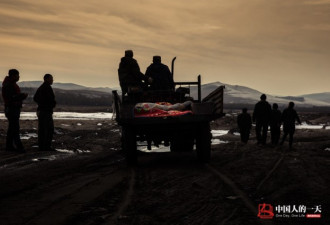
<point x="161" y="76"/>
<point x="261" y="115"/>
<point x="130" y="77"/>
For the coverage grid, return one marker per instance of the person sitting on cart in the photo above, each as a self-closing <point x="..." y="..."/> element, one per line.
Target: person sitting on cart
<point x="162" y="78"/>
<point x="130" y="77"/>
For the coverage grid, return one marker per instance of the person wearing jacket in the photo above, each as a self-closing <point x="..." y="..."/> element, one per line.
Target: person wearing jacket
<point x="13" y="99"/>
<point x="161" y="76"/>
<point x="289" y="117"/>
<point x="261" y="115"/>
<point x="244" y="123"/>
<point x="130" y="77"/>
<point x="45" y="99"/>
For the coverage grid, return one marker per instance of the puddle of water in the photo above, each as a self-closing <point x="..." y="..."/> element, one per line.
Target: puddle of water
<point x="217" y="133"/>
<point x="79" y="124"/>
<point x="72" y="151"/>
<point x="327" y="149"/>
<point x="161" y="148"/>
<point x="48" y="158"/>
<point x="236" y="133"/>
<point x="65" y="125"/>
<point x="99" y="124"/>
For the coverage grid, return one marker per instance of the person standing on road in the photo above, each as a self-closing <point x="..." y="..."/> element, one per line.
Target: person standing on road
<point x="244" y="123"/>
<point x="275" y="124"/>
<point x="289" y="117"/>
<point x="162" y="78"/>
<point x="13" y="99"/>
<point x="261" y="115"/>
<point x="45" y="99"/>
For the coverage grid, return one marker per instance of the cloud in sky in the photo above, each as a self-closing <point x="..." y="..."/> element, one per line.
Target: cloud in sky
<point x="279" y="47"/>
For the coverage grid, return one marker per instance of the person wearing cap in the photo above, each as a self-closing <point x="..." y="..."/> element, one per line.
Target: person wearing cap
<point x="13" y="99"/>
<point x="261" y="115"/>
<point x="161" y="76"/>
<point x="289" y="117"/>
<point x="45" y="99"/>
<point x="275" y="124"/>
<point x="130" y="77"/>
<point x="244" y="123"/>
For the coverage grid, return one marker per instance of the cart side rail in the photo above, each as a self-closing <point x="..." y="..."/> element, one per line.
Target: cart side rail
<point x="216" y="97"/>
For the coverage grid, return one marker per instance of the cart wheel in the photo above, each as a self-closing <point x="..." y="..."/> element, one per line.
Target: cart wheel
<point x="203" y="142"/>
<point x="129" y="145"/>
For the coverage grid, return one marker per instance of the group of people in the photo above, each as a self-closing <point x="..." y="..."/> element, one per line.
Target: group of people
<point x="13" y="99"/>
<point x="266" y="116"/>
<point x="132" y="80"/>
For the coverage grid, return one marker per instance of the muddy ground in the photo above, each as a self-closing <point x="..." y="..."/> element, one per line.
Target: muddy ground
<point x="86" y="181"/>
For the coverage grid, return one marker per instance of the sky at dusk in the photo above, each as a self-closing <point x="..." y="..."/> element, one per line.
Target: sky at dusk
<point x="278" y="47"/>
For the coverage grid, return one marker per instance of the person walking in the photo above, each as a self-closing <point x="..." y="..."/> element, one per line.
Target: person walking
<point x="275" y="124"/>
<point x="45" y="99"/>
<point x="261" y="115"/>
<point x="244" y="123"/>
<point x="289" y="117"/>
<point x="162" y="78"/>
<point x="13" y="99"/>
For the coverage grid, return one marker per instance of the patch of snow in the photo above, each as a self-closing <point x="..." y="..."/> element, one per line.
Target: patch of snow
<point x="99" y="124"/>
<point x="218" y="141"/>
<point x="65" y="116"/>
<point x="217" y="133"/>
<point x="27" y="136"/>
<point x="237" y="133"/>
<point x="79" y="124"/>
<point x="327" y="149"/>
<point x="304" y="125"/>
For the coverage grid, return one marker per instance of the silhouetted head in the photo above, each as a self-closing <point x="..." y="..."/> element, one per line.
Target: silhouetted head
<point x="13" y="74"/>
<point x="129" y="53"/>
<point x="291" y="105"/>
<point x="157" y="59"/>
<point x="263" y="97"/>
<point x="275" y="106"/>
<point x="244" y="110"/>
<point x="48" y="78"/>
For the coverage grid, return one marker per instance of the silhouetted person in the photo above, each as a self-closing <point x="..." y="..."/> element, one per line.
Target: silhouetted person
<point x="130" y="77"/>
<point x="45" y="99"/>
<point x="13" y="99"/>
<point x="289" y="117"/>
<point x="275" y="124"/>
<point x="261" y="115"/>
<point x="244" y="123"/>
<point x="161" y="76"/>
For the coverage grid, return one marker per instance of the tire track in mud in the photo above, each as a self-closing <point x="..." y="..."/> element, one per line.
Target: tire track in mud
<point x="72" y="200"/>
<point x="250" y="204"/>
<point x="126" y="200"/>
<point x="65" y="193"/>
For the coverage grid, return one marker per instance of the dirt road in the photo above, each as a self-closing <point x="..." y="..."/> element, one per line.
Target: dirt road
<point x="87" y="181"/>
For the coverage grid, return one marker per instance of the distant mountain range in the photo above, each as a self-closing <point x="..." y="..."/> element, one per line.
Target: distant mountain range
<point x="241" y="95"/>
<point x="235" y="95"/>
